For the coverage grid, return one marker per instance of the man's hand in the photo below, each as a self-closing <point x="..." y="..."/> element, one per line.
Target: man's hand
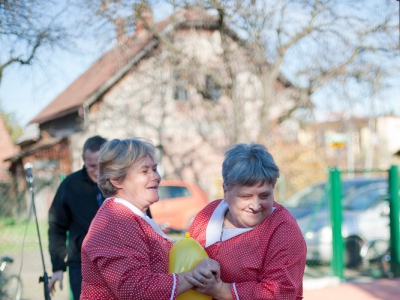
<point x="57" y="276"/>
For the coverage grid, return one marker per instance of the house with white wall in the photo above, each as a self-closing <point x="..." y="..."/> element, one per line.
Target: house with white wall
<point x="185" y="82"/>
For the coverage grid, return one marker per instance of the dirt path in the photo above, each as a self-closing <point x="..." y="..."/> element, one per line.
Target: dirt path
<point x="32" y="269"/>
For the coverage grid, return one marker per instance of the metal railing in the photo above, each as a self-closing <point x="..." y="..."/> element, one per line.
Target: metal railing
<point x="335" y="198"/>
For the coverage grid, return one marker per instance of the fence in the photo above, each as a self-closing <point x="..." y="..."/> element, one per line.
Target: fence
<point x="345" y="222"/>
<point x="393" y="248"/>
<point x="18" y="234"/>
<point x="12" y="201"/>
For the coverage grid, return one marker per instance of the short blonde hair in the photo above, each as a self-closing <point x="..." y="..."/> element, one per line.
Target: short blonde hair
<point x="117" y="156"/>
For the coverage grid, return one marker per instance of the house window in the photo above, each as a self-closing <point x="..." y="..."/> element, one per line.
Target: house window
<point x="180" y="90"/>
<point x="212" y="89"/>
<point x="180" y="93"/>
<point x="167" y="192"/>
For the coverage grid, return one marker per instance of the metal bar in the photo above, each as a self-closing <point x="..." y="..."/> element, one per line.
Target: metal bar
<point x="317" y="208"/>
<point x="335" y="199"/>
<point x="394" y="220"/>
<point x="364" y="171"/>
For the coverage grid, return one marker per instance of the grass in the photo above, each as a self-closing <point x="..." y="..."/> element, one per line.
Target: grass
<point x="14" y="231"/>
<point x="12" y="235"/>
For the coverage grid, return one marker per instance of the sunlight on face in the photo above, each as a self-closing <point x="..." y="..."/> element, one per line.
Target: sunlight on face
<point x="249" y="205"/>
<point x="140" y="186"/>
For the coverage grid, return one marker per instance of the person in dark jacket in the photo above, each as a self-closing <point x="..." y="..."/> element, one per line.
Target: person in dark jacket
<point x="74" y="206"/>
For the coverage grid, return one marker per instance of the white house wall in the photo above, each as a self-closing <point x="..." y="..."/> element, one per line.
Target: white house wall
<point x="388" y="128"/>
<point x="142" y="104"/>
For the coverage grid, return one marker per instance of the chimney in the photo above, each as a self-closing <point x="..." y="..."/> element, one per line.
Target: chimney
<point x="120" y="26"/>
<point x="143" y="17"/>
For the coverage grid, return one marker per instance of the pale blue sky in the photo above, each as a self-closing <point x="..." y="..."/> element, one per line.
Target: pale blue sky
<point x="26" y="90"/>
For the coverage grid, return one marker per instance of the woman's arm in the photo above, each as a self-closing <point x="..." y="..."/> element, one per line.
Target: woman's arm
<point x="184" y="284"/>
<point x="127" y="257"/>
<point x="283" y="266"/>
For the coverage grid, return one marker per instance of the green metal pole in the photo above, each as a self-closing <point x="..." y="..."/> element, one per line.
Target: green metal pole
<point x="394" y="221"/>
<point x="335" y="204"/>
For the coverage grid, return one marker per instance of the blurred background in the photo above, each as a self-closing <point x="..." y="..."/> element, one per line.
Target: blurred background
<point x="315" y="81"/>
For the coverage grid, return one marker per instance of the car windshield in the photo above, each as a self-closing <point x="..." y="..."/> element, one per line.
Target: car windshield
<point x="311" y="196"/>
<point x="364" y="199"/>
<point x="307" y="197"/>
<point x="167" y="192"/>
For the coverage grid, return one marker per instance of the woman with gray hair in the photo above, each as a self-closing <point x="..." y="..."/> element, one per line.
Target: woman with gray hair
<point x="125" y="253"/>
<point x="257" y="242"/>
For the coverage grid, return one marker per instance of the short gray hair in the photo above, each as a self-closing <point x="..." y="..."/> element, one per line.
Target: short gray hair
<point x="117" y="156"/>
<point x="248" y="165"/>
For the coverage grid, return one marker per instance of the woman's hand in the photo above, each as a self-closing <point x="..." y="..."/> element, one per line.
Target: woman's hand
<point x="210" y="265"/>
<point x="205" y="277"/>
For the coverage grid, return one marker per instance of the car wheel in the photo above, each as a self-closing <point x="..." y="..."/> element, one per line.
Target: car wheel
<point x="376" y="259"/>
<point x="352" y="254"/>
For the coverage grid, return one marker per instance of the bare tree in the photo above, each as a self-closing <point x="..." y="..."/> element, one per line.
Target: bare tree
<point x="313" y="46"/>
<point x="249" y="76"/>
<point x="269" y="59"/>
<point x="28" y="27"/>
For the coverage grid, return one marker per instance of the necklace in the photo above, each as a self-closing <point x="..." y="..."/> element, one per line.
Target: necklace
<point x="222" y="230"/>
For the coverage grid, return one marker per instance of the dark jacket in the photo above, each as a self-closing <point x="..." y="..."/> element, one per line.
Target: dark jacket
<point x="73" y="208"/>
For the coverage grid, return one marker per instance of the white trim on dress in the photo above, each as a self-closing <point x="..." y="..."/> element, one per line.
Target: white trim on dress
<point x="214" y="226"/>
<point x="174" y="286"/>
<point x="138" y="212"/>
<point x="235" y="290"/>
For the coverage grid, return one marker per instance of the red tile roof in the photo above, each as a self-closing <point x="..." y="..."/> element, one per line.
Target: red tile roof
<point x="95" y="79"/>
<point x="105" y="72"/>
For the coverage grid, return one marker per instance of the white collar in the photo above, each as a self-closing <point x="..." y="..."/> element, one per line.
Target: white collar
<point x="214" y="226"/>
<point x="138" y="212"/>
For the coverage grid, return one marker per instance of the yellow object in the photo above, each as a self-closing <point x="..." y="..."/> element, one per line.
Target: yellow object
<point x="184" y="256"/>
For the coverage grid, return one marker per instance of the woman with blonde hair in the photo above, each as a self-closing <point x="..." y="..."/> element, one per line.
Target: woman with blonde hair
<point x="125" y="253"/>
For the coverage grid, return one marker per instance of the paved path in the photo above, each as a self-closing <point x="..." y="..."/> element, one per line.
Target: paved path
<point x="379" y="289"/>
<point x="320" y="288"/>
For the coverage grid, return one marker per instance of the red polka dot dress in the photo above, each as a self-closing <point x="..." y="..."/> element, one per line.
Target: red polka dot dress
<point x="266" y="262"/>
<point x="123" y="257"/>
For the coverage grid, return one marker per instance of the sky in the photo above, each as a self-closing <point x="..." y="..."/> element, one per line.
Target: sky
<point x="26" y="90"/>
